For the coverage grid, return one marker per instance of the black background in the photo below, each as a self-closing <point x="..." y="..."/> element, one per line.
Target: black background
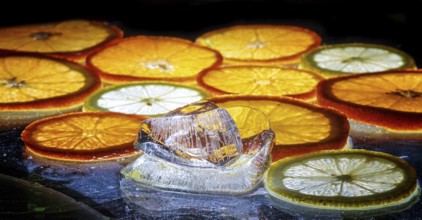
<point x="396" y="23"/>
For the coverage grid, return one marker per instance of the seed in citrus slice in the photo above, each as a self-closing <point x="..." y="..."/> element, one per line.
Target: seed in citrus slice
<point x="343" y="180"/>
<point x="299" y="127"/>
<point x="261" y="44"/>
<point x="143" y="98"/>
<point x="34" y="86"/>
<point x="152" y="58"/>
<point x="83" y="136"/>
<point x="72" y="39"/>
<point x="391" y="100"/>
<point x="260" y="80"/>
<point x="342" y="59"/>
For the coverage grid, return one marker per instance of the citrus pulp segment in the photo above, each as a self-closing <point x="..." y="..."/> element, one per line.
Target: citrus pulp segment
<point x="83" y="136"/>
<point x="299" y="127"/>
<point x="152" y="58"/>
<point x="260" y="44"/>
<point x="391" y="100"/>
<point x="260" y="80"/>
<point x="143" y="98"/>
<point x="342" y="59"/>
<point x="34" y="86"/>
<point x="343" y="180"/>
<point x="72" y="39"/>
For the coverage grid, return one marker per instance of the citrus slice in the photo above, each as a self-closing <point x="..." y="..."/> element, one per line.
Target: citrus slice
<point x="261" y="44"/>
<point x="343" y="180"/>
<point x="72" y="39"/>
<point x="143" y="98"/>
<point x="391" y="100"/>
<point x="83" y="136"/>
<point x="152" y="58"/>
<point x="299" y="127"/>
<point x="36" y="86"/>
<point x="260" y="80"/>
<point x="342" y="59"/>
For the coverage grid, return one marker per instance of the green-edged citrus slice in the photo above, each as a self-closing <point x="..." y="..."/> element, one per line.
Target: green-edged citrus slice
<point x="299" y="127"/>
<point x="144" y="98"/>
<point x="260" y="80"/>
<point x="35" y="86"/>
<point x="392" y="100"/>
<point x="83" y="136"/>
<point x="343" y="180"/>
<point x="261" y="44"/>
<point x="342" y="59"/>
<point x="72" y="39"/>
<point x="152" y="58"/>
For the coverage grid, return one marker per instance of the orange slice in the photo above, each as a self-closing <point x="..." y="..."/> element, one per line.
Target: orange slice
<point x="36" y="86"/>
<point x="72" y="39"/>
<point x="83" y="136"/>
<point x="391" y="100"/>
<point x="260" y="80"/>
<point x="152" y="58"/>
<point x="351" y="180"/>
<point x="299" y="127"/>
<point x="344" y="59"/>
<point x="261" y="44"/>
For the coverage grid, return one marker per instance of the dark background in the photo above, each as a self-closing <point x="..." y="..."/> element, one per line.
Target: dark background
<point x="395" y="23"/>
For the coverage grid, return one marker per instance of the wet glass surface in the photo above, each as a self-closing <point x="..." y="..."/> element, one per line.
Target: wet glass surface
<point x="101" y="187"/>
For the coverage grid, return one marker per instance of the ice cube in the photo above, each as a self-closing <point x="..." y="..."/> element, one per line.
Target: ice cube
<point x="200" y="135"/>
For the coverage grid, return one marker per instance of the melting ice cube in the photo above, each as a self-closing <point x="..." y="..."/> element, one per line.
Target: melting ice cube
<point x="199" y="148"/>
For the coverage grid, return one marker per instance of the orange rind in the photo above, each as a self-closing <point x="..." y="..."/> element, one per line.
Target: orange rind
<point x="300" y="127"/>
<point x="34" y="86"/>
<point x="83" y="136"/>
<point x="261" y="44"/>
<point x="72" y="39"/>
<point x="152" y="58"/>
<point x="260" y="80"/>
<point x="390" y="100"/>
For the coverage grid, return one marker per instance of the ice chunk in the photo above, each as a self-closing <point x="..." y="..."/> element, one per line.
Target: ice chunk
<point x="200" y="135"/>
<point x="198" y="148"/>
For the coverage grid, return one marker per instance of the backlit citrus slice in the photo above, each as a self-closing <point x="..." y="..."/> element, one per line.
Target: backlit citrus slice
<point x="143" y="98"/>
<point x="260" y="80"/>
<point x="342" y="59"/>
<point x="343" y="180"/>
<point x="299" y="127"/>
<point x="72" y="39"/>
<point x="152" y="58"/>
<point x="392" y="100"/>
<point x="260" y="44"/>
<point x="83" y="136"/>
<point x="35" y="86"/>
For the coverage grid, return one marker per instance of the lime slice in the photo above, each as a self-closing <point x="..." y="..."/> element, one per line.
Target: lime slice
<point x="346" y="180"/>
<point x="149" y="98"/>
<point x="335" y="60"/>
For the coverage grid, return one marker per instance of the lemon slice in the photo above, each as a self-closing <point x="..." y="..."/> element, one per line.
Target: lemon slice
<point x="152" y="58"/>
<point x="147" y="98"/>
<point x="341" y="59"/>
<point x="391" y="100"/>
<point x="72" y="39"/>
<point x="260" y="80"/>
<point x="83" y="136"/>
<point x="343" y="180"/>
<point x="300" y="127"/>
<point x="260" y="44"/>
